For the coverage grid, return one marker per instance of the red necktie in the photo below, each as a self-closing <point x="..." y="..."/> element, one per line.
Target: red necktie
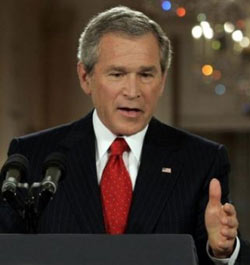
<point x="116" y="189"/>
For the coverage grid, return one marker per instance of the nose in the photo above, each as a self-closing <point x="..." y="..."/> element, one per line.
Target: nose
<point x="131" y="87"/>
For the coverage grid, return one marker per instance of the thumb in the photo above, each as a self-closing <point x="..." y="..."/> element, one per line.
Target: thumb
<point x="214" y="192"/>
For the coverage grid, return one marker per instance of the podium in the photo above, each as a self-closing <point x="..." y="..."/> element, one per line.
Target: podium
<point x="91" y="249"/>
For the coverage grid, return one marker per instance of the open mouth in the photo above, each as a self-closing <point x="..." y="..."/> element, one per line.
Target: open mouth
<point x="130" y="112"/>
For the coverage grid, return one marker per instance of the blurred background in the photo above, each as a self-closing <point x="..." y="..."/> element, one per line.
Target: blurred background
<point x="208" y="86"/>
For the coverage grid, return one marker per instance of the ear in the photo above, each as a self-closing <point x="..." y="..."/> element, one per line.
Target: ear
<point x="163" y="82"/>
<point x="83" y="78"/>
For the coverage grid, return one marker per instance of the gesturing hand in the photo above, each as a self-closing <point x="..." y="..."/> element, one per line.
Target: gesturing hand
<point x="221" y="222"/>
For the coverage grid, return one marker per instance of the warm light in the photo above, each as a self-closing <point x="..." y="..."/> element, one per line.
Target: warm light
<point x="181" y="12"/>
<point x="207" y="30"/>
<point x="237" y="35"/>
<point x="217" y="75"/>
<point x="240" y="24"/>
<point x="201" y="17"/>
<point x="220" y="89"/>
<point x="166" y="5"/>
<point x="205" y="25"/>
<point x="208" y="33"/>
<point x="229" y="27"/>
<point x="207" y="69"/>
<point x="245" y="42"/>
<point x="197" y="32"/>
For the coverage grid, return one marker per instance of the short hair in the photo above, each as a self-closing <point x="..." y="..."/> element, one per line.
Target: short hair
<point x="120" y="19"/>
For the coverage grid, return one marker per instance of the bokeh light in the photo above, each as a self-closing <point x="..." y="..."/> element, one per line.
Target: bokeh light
<point x="237" y="48"/>
<point x="220" y="89"/>
<point x="240" y="23"/>
<point x="208" y="33"/>
<point x="201" y="17"/>
<point x="181" y="12"/>
<point x="216" y="45"/>
<point x="217" y="75"/>
<point x="207" y="30"/>
<point x="207" y="69"/>
<point x="245" y="42"/>
<point x="229" y="27"/>
<point x="237" y="35"/>
<point x="205" y="25"/>
<point x="166" y="5"/>
<point x="197" y="32"/>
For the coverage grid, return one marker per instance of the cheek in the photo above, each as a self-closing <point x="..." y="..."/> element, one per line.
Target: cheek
<point x="104" y="96"/>
<point x="97" y="98"/>
<point x="152" y="96"/>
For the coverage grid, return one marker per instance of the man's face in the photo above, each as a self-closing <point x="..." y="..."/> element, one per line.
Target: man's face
<point x="126" y="82"/>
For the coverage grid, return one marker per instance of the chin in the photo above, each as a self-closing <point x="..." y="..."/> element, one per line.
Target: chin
<point x="128" y="131"/>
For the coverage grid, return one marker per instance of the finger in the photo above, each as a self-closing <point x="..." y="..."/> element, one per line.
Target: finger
<point x="229" y="209"/>
<point x="229" y="234"/>
<point x="214" y="192"/>
<point x="230" y="222"/>
<point x="226" y="244"/>
<point x="233" y="223"/>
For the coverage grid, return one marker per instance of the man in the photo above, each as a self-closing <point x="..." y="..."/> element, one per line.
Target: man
<point x="171" y="181"/>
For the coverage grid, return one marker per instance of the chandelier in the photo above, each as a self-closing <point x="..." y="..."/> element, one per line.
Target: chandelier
<point x="221" y="36"/>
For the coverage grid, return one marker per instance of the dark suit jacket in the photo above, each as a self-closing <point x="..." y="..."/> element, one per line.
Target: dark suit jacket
<point x="162" y="202"/>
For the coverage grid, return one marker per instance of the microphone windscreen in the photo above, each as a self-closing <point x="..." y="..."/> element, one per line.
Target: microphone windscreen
<point x="16" y="161"/>
<point x="55" y="159"/>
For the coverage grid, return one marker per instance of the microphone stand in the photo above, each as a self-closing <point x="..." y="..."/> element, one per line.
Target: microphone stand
<point x="31" y="207"/>
<point x="37" y="200"/>
<point x="38" y="195"/>
<point x="14" y="198"/>
<point x="30" y="217"/>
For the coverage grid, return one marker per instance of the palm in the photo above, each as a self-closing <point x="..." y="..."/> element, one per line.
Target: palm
<point x="221" y="242"/>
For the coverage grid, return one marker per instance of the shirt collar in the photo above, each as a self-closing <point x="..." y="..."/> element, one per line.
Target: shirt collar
<point x="104" y="138"/>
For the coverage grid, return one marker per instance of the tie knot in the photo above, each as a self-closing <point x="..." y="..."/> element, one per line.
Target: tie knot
<point x="118" y="146"/>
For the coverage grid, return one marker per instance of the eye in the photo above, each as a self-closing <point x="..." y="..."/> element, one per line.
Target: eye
<point x="146" y="75"/>
<point x="116" y="74"/>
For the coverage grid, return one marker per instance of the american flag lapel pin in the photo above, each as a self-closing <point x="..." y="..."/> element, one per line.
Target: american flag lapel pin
<point x="166" y="170"/>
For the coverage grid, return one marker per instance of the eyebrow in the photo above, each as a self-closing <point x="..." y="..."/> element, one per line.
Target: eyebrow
<point x="124" y="69"/>
<point x="116" y="68"/>
<point x="148" y="69"/>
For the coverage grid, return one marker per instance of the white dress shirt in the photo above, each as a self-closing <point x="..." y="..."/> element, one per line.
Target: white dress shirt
<point x="132" y="159"/>
<point x="104" y="138"/>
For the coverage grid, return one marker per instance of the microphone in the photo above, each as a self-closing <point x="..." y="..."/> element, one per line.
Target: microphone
<point x="14" y="169"/>
<point x="54" y="170"/>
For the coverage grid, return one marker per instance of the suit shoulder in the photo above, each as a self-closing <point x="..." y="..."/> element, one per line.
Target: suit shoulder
<point x="180" y="137"/>
<point x="188" y="147"/>
<point x="50" y="137"/>
<point x="55" y="133"/>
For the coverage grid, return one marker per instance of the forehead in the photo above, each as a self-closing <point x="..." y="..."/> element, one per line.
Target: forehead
<point x="115" y="47"/>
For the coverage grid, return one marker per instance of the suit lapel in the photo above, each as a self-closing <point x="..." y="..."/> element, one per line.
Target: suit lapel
<point x="80" y="185"/>
<point x="154" y="187"/>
